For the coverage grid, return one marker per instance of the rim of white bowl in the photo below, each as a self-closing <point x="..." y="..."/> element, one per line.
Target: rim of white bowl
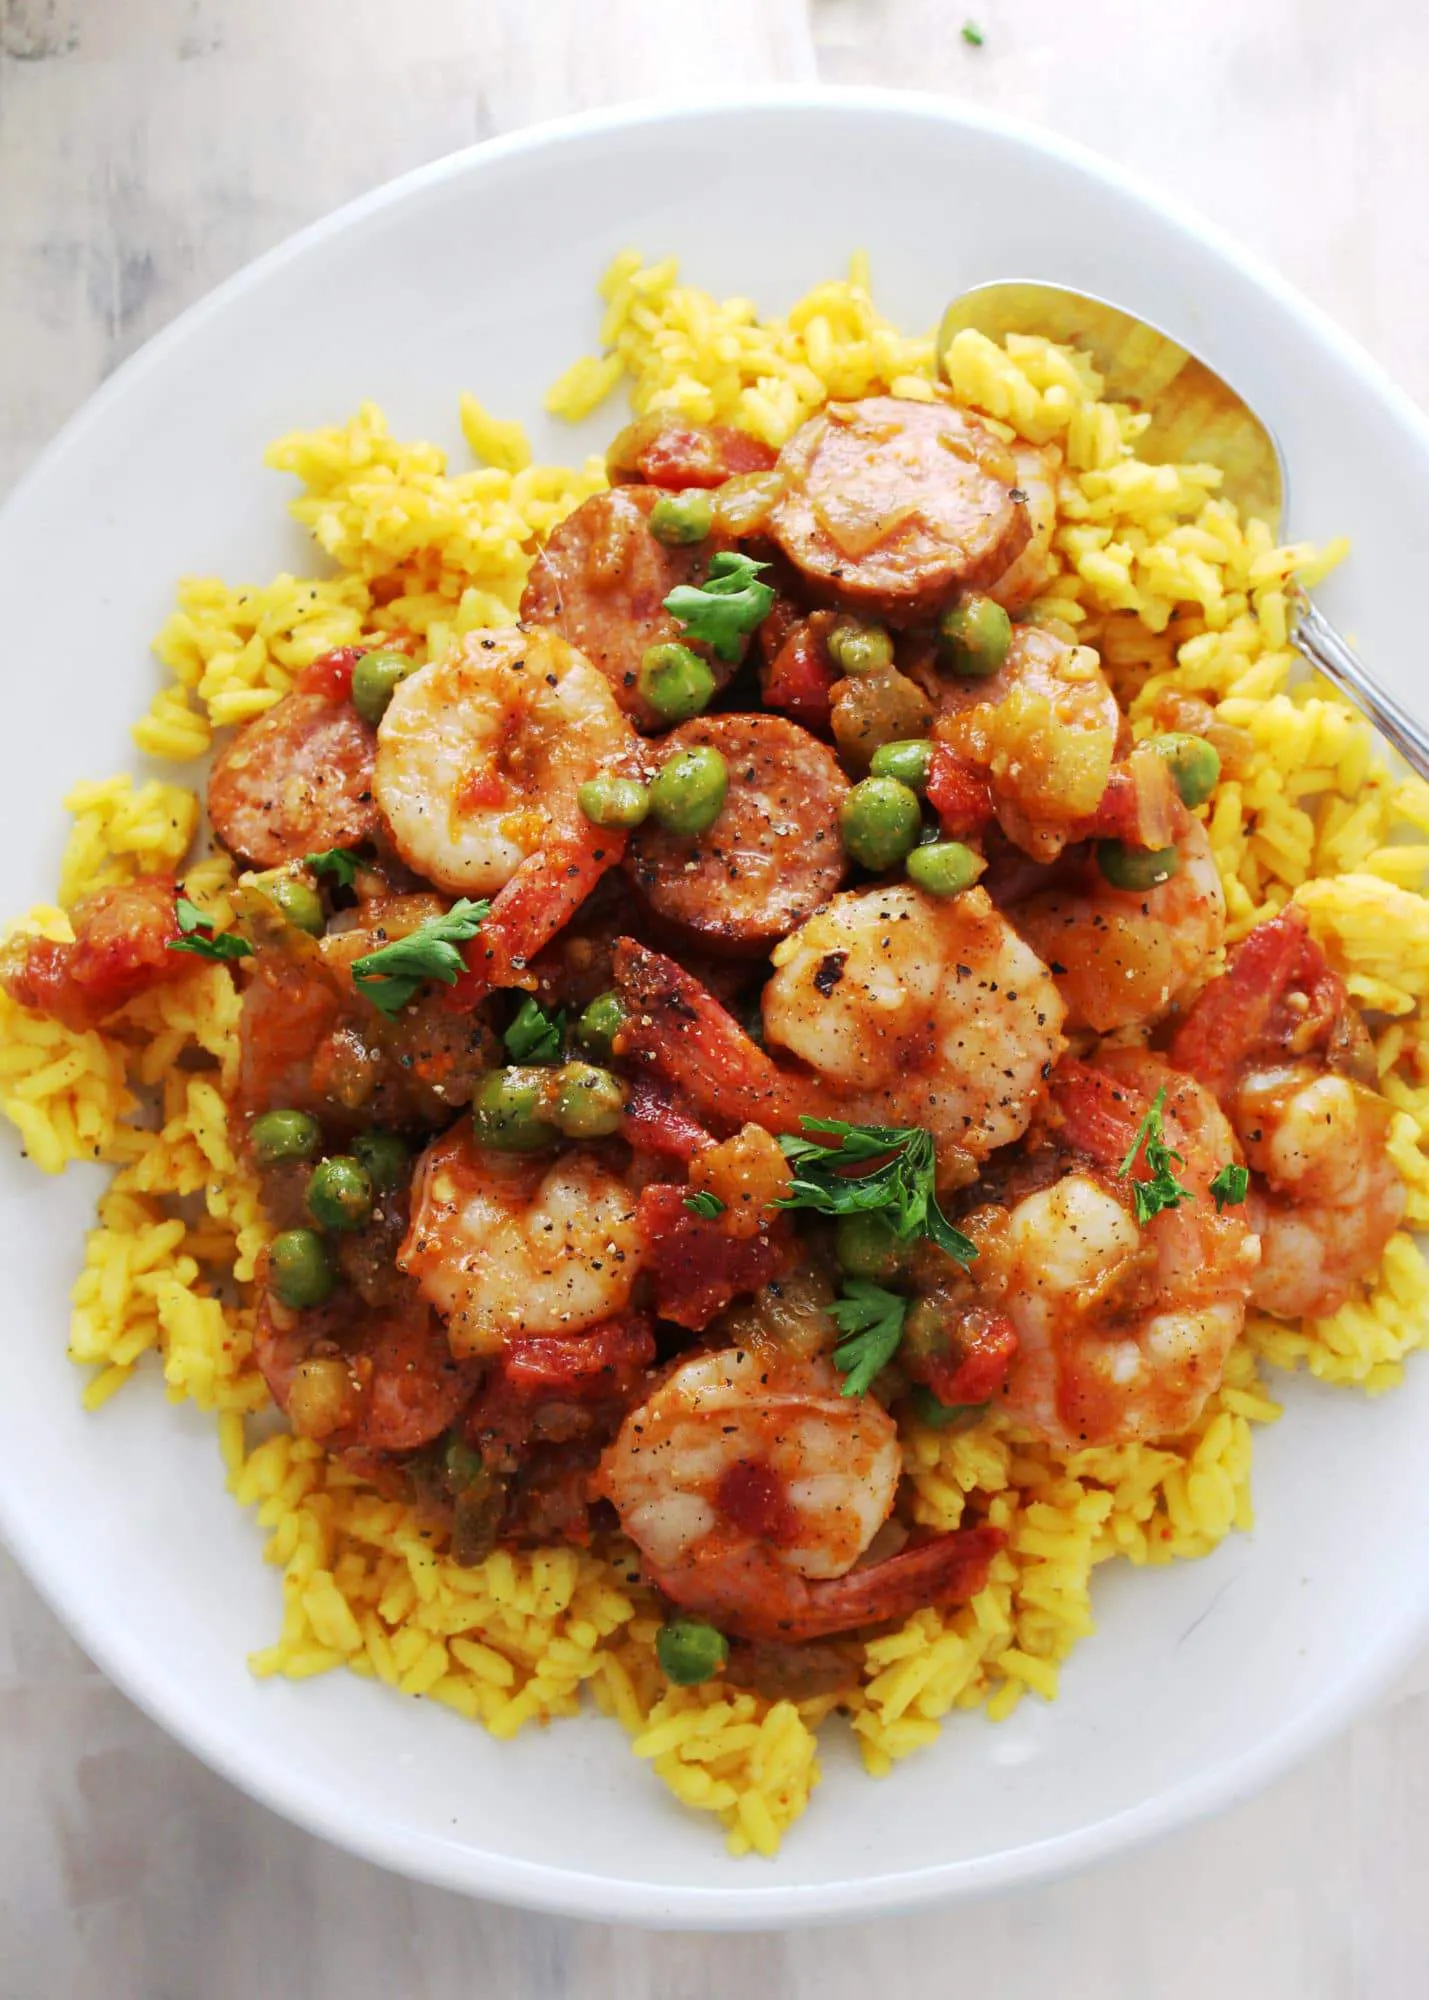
<point x="550" y="1887"/>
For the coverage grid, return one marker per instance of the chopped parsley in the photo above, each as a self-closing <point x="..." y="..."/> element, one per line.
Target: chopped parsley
<point x="704" y="1203"/>
<point x="890" y="1168"/>
<point x="1230" y="1185"/>
<point x="1161" y="1189"/>
<point x="389" y="977"/>
<point x="726" y="607"/>
<point x="534" y="1035"/>
<point x="972" y="34"/>
<point x="871" y="1322"/>
<point x="339" y="862"/>
<point x="199" y="936"/>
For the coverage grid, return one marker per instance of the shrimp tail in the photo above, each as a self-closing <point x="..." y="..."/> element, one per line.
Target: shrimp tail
<point x="759" y="1599"/>
<point x="677" y="1027"/>
<point x="657" y="1123"/>
<point x="539" y="901"/>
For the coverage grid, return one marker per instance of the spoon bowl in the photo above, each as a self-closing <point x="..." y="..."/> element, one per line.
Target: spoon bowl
<point x="1196" y="417"/>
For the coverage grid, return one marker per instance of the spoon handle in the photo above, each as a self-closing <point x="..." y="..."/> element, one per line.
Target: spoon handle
<point x="1323" y="647"/>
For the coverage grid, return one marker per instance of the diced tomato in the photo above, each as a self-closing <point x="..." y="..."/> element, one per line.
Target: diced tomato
<point x="1140" y="804"/>
<point x="959" y="794"/>
<point x="753" y="1496"/>
<point x="975" y="1368"/>
<point x="120" y="950"/>
<point x="696" y="1265"/>
<point x="800" y="679"/>
<point x="604" y="1361"/>
<point x="657" y="1124"/>
<point x="331" y="674"/>
<point x="663" y="451"/>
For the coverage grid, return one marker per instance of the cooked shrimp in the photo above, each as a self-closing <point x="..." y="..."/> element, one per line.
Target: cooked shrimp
<point x="751" y="1490"/>
<point x="503" y="1244"/>
<point x="1043" y="729"/>
<point x="1123" y="957"/>
<point x="1123" y="1328"/>
<point x="907" y="1010"/>
<point x="1279" y="1041"/>
<point x="918" y="1010"/>
<point x="479" y="759"/>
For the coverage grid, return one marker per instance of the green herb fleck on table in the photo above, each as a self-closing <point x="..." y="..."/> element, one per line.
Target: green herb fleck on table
<point x="871" y="1322"/>
<point x="889" y="1168"/>
<point x="726" y="607"/>
<point x="389" y="977"/>
<point x="1231" y="1185"/>
<point x="1160" y="1189"/>
<point x="535" y="1036"/>
<point x="200" y="938"/>
<point x="972" y="34"/>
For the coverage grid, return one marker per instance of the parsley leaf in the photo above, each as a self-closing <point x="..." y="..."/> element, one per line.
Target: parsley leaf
<point x="704" y="1203"/>
<point x="871" y="1322"/>
<point x="885" y="1167"/>
<point x="534" y="1035"/>
<point x="339" y="862"/>
<point x="973" y="35"/>
<point x="1162" y="1190"/>
<point x="199" y="936"/>
<point x="389" y="977"/>
<point x="726" y="607"/>
<point x="1230" y="1185"/>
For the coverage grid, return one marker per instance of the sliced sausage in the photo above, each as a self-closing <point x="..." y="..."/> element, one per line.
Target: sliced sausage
<point x="773" y="855"/>
<point x="296" y="780"/>
<point x="892" y="506"/>
<point x="601" y="581"/>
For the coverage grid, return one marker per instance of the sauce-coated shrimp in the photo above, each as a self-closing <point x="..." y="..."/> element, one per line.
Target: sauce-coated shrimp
<point x="1123" y="1327"/>
<point x="907" y="1010"/>
<point x="1123" y="957"/>
<point x="504" y="1244"/>
<point x="1279" y="1041"/>
<point x="752" y="1488"/>
<point x="479" y="759"/>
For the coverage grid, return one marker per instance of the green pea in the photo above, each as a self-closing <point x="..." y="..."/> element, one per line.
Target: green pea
<point x="926" y="1331"/>
<point x="939" y="1415"/>
<point x="1136" y="867"/>
<point x="375" y="678"/>
<point x="297" y="902"/>
<point x="678" y="519"/>
<point x="601" y="1022"/>
<point x="944" y="867"/>
<point x="508" y="1110"/>
<point x="1195" y="765"/>
<point x="460" y="1464"/>
<point x="299" y="1269"/>
<point x="974" y="636"/>
<point x="868" y="1246"/>
<point x="676" y="682"/>
<point x="689" y="1651"/>
<point x="610" y="801"/>
<point x="339" y="1193"/>
<point x="856" y="648"/>
<point x="907" y="761"/>
<point x="384" y="1156"/>
<point x="687" y="793"/>
<point x="284" y="1135"/>
<point x="589" y="1101"/>
<point x="879" y="822"/>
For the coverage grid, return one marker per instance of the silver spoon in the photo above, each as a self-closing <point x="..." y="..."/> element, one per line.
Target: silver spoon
<point x="1195" y="417"/>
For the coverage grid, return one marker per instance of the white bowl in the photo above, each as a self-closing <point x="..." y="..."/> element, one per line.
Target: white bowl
<point x="1202" y="1681"/>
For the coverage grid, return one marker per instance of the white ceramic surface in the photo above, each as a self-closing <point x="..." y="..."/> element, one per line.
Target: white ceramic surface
<point x="1203" y="1681"/>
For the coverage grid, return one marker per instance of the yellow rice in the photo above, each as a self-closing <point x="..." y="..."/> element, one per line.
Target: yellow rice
<point x="1153" y="569"/>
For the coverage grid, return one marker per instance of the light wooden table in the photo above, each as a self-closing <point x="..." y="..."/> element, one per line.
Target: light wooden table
<point x="147" y="149"/>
